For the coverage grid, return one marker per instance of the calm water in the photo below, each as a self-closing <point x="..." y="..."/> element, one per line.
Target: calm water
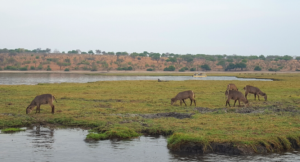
<point x="31" y="79"/>
<point x="45" y="144"/>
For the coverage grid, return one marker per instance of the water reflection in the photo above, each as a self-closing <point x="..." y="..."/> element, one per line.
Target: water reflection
<point x="48" y="144"/>
<point x="31" y="79"/>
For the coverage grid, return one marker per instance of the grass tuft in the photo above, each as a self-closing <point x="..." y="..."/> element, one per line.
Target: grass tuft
<point x="11" y="130"/>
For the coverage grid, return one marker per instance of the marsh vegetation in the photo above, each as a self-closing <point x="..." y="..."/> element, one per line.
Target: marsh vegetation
<point x="118" y="109"/>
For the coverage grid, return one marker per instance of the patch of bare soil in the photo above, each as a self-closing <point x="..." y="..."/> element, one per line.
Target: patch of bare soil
<point x="166" y="115"/>
<point x="246" y="110"/>
<point x="159" y="115"/>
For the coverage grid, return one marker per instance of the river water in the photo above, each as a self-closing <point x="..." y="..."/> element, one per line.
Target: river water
<point x="38" y="144"/>
<point x="32" y="79"/>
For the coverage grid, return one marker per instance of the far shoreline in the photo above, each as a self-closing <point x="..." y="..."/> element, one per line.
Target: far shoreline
<point x="143" y="72"/>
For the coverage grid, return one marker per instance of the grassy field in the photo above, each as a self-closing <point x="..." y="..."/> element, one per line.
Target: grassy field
<point x="111" y="106"/>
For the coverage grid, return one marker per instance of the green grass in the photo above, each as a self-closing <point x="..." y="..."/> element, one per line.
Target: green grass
<point x="11" y="130"/>
<point x="104" y="106"/>
<point x="117" y="132"/>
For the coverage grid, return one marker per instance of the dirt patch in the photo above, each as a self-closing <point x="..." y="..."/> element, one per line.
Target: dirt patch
<point x="102" y="106"/>
<point x="166" y="115"/>
<point x="158" y="115"/>
<point x="246" y="110"/>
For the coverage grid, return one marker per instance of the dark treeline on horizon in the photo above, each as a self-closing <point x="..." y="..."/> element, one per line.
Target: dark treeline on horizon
<point x="156" y="56"/>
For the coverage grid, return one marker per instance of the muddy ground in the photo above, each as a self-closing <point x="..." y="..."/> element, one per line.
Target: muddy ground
<point x="250" y="110"/>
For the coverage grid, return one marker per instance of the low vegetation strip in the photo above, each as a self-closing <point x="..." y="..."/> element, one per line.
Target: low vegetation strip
<point x="125" y="109"/>
<point x="118" y="132"/>
<point x="11" y="130"/>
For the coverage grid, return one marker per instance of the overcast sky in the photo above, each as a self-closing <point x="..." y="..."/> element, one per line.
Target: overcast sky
<point x="242" y="27"/>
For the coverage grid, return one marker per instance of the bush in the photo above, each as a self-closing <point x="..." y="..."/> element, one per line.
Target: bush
<point x="149" y="69"/>
<point x="124" y="68"/>
<point x="48" y="68"/>
<point x="275" y="69"/>
<point x="85" y="68"/>
<point x="37" y="57"/>
<point x="10" y="68"/>
<point x="40" y="67"/>
<point x="24" y="68"/>
<point x="170" y="68"/>
<point x="257" y="68"/>
<point x="193" y="69"/>
<point x="205" y="67"/>
<point x="181" y="70"/>
<point x="0" y="68"/>
<point x="32" y="68"/>
<point x="94" y="68"/>
<point x="67" y="69"/>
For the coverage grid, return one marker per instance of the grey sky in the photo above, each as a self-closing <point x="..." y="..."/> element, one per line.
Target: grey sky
<point x="243" y="27"/>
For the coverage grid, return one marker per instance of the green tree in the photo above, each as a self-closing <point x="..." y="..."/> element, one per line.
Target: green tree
<point x="134" y="55"/>
<point x="230" y="67"/>
<point x="155" y="56"/>
<point x="170" y="68"/>
<point x="205" y="67"/>
<point x="257" y="68"/>
<point x="262" y="57"/>
<point x="90" y="52"/>
<point x="172" y="59"/>
<point x="222" y="63"/>
<point x="48" y="68"/>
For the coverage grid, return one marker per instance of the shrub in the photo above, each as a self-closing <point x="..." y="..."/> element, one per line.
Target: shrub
<point x="150" y="69"/>
<point x="0" y="68"/>
<point x="85" y="68"/>
<point x="32" y="68"/>
<point x="183" y="69"/>
<point x="193" y="69"/>
<point x="10" y="68"/>
<point x="40" y="67"/>
<point x="37" y="57"/>
<point x="275" y="69"/>
<point x="205" y="67"/>
<point x="48" y="68"/>
<point x="94" y="68"/>
<point x="24" y="68"/>
<point x="257" y="68"/>
<point x="124" y="68"/>
<point x="67" y="69"/>
<point x="170" y="68"/>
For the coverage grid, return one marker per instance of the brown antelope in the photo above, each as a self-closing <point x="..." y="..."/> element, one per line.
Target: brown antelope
<point x="184" y="95"/>
<point x="40" y="100"/>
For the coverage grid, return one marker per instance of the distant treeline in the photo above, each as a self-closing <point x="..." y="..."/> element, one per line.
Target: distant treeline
<point x="155" y="56"/>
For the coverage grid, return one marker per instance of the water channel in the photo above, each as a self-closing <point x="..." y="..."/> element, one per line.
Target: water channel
<point x="48" y="144"/>
<point x="32" y="79"/>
